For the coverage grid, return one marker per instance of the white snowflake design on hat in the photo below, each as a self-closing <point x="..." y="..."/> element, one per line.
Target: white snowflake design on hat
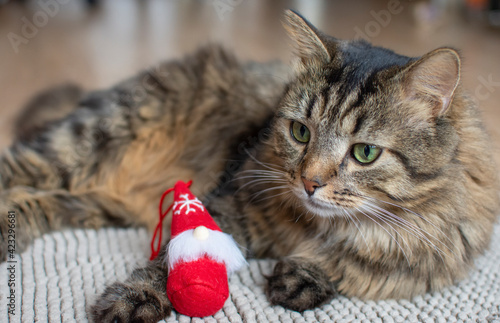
<point x="189" y="205"/>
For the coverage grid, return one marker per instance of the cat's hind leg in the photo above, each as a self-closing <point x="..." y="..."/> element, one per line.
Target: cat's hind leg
<point x="36" y="212"/>
<point x="23" y="166"/>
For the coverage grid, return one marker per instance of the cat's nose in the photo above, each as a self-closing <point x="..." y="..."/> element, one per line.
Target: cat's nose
<point x="310" y="186"/>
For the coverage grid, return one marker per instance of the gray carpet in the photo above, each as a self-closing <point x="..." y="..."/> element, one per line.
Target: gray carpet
<point x="62" y="273"/>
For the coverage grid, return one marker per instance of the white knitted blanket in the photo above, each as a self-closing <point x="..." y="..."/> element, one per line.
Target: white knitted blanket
<point x="62" y="273"/>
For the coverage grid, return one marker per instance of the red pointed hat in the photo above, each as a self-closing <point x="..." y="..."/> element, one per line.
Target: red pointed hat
<point x="188" y="212"/>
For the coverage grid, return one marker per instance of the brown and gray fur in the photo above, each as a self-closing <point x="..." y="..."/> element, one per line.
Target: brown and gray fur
<point x="408" y="223"/>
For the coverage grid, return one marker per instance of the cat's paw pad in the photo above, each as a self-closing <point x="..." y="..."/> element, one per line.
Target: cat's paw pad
<point x="122" y="302"/>
<point x="298" y="286"/>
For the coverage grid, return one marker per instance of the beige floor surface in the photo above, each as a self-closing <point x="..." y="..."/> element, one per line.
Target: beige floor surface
<point x="98" y="47"/>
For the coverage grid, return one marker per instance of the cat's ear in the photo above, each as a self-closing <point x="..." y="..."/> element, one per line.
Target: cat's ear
<point x="311" y="44"/>
<point x="433" y="79"/>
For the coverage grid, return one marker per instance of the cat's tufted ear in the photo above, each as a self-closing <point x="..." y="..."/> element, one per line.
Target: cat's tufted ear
<point x="311" y="44"/>
<point x="433" y="79"/>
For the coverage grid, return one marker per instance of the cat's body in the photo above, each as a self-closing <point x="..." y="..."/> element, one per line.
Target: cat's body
<point x="405" y="218"/>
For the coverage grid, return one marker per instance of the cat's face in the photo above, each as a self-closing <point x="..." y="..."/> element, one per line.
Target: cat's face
<point x="361" y="124"/>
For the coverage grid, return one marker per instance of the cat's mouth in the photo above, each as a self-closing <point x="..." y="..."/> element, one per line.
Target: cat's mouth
<point x="324" y="209"/>
<point x="329" y="206"/>
<point x="321" y="208"/>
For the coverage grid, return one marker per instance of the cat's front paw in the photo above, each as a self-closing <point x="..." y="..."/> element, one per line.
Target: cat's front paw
<point x="131" y="302"/>
<point x="298" y="286"/>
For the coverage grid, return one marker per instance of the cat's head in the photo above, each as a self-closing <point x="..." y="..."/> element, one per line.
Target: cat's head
<point x="360" y="122"/>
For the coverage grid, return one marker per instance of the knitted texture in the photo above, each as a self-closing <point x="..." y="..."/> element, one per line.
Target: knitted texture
<point x="60" y="276"/>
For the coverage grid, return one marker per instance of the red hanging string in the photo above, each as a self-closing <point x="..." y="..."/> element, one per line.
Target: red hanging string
<point x="158" y="230"/>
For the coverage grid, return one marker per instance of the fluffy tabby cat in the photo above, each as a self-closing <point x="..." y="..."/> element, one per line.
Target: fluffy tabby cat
<point x="373" y="177"/>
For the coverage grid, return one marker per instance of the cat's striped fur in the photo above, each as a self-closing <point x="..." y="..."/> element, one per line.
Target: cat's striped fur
<point x="407" y="223"/>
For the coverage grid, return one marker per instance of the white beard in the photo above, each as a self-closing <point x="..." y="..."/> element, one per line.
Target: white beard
<point x="219" y="246"/>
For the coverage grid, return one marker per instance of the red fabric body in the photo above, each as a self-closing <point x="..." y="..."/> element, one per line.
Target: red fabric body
<point x="187" y="221"/>
<point x="198" y="288"/>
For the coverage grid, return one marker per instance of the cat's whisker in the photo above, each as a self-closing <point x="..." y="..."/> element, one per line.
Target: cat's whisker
<point x="348" y="218"/>
<point x="261" y="181"/>
<point x="286" y="199"/>
<point x="256" y="194"/>
<point x="292" y="202"/>
<point x="248" y="178"/>
<point x="346" y="210"/>
<point x="272" y="196"/>
<point x="256" y="175"/>
<point x="330" y="220"/>
<point x="260" y="170"/>
<point x="266" y="165"/>
<point x="415" y="233"/>
<point x="397" y="220"/>
<point x="267" y="183"/>
<point x="406" y="210"/>
<point x="297" y="220"/>
<point x="353" y="216"/>
<point x="262" y="177"/>
<point x="412" y="212"/>
<point x="253" y="196"/>
<point x="343" y="216"/>
<point x="360" y="209"/>
<point x="263" y="171"/>
<point x="312" y="217"/>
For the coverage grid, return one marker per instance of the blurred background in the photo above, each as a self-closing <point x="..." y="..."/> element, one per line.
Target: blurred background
<point x="98" y="43"/>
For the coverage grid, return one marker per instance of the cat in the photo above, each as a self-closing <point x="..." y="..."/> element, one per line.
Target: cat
<point x="371" y="175"/>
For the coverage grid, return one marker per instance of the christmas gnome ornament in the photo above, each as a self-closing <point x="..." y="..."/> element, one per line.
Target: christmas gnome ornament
<point x="200" y="256"/>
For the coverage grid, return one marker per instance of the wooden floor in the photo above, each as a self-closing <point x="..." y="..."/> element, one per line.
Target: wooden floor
<point x="99" y="46"/>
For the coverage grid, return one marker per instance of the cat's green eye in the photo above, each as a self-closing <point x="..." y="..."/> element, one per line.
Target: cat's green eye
<point x="300" y="132"/>
<point x="365" y="153"/>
